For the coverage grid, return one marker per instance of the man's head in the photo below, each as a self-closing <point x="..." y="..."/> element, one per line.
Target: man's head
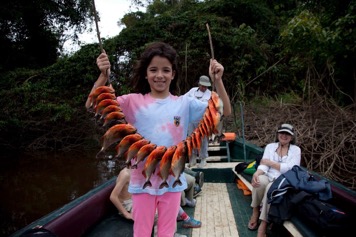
<point x="204" y="83"/>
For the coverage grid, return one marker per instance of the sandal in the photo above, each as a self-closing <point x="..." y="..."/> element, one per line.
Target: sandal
<point x="253" y="224"/>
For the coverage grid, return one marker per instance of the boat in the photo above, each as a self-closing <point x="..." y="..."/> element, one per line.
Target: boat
<point x="223" y="208"/>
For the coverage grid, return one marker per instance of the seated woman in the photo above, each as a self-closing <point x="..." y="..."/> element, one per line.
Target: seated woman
<point x="278" y="158"/>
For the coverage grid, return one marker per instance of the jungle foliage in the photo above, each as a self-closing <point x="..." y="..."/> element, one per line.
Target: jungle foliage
<point x="268" y="48"/>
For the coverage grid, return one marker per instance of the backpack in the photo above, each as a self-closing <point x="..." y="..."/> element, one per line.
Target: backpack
<point x="328" y="219"/>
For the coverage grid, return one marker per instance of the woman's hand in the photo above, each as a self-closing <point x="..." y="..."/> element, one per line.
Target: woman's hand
<point x="255" y="182"/>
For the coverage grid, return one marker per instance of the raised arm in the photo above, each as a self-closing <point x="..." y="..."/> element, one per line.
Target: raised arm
<point x="103" y="64"/>
<point x="216" y="71"/>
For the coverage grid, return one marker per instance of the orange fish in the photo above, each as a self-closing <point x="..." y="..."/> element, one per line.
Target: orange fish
<point x="204" y="128"/>
<point x="101" y="89"/>
<point x="198" y="138"/>
<point x="125" y="143"/>
<point x="143" y="153"/>
<point x="178" y="162"/>
<point x="151" y="163"/>
<point x="216" y="101"/>
<point x="209" y="120"/>
<point x="194" y="141"/>
<point x="189" y="146"/>
<point x="115" y="134"/>
<point x="165" y="166"/>
<point x="215" y="115"/>
<point x="201" y="130"/>
<point x="103" y="96"/>
<point x="114" y="118"/>
<point x="109" y="109"/>
<point x="103" y="104"/>
<point x="133" y="149"/>
<point x="207" y="125"/>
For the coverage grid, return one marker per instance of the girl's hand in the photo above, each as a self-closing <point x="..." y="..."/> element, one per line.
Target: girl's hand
<point x="216" y="70"/>
<point x="103" y="63"/>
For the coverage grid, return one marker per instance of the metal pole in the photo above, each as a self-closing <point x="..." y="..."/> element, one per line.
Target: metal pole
<point x="243" y="130"/>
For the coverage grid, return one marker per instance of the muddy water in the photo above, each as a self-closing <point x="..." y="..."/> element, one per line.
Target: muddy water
<point x="34" y="184"/>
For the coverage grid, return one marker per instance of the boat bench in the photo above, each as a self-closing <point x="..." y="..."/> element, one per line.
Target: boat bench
<point x="342" y="197"/>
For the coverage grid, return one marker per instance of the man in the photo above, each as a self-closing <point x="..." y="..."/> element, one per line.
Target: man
<point x="201" y="93"/>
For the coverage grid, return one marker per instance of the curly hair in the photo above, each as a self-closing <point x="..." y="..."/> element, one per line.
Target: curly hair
<point x="139" y="82"/>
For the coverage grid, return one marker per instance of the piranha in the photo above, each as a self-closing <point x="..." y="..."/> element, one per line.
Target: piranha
<point x="125" y="143"/>
<point x="115" y="134"/>
<point x="133" y="149"/>
<point x="218" y="103"/>
<point x="109" y="109"/>
<point x="165" y="166"/>
<point x="143" y="153"/>
<point x="189" y="146"/>
<point x="114" y="118"/>
<point x="103" y="104"/>
<point x="215" y="115"/>
<point x="103" y="96"/>
<point x="151" y="163"/>
<point x="178" y="162"/>
<point x="99" y="90"/>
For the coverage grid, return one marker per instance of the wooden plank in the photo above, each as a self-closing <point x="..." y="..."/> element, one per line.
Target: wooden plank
<point x="214" y="210"/>
<point x="245" y="181"/>
<point x="216" y="158"/>
<point x="292" y="229"/>
<point x="217" y="148"/>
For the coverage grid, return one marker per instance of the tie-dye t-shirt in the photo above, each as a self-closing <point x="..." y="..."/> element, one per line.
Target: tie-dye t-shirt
<point x="164" y="122"/>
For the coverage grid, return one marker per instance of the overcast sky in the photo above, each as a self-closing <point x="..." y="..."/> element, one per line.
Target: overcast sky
<point x="110" y="12"/>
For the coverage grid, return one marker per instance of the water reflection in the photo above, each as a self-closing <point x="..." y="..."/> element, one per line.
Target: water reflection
<point x="32" y="185"/>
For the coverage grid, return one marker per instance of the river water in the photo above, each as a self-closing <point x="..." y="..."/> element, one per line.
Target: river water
<point x="34" y="184"/>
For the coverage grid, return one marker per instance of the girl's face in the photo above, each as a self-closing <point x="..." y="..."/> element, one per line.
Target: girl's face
<point x="159" y="75"/>
<point x="284" y="138"/>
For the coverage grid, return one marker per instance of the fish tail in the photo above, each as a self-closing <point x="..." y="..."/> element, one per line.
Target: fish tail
<point x="164" y="184"/>
<point x="176" y="183"/>
<point x="100" y="154"/>
<point x="128" y="164"/>
<point x="147" y="183"/>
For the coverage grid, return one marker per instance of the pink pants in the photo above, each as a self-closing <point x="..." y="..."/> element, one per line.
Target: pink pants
<point x="144" y="209"/>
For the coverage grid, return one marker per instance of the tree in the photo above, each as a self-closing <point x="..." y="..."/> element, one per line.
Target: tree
<point x="32" y="31"/>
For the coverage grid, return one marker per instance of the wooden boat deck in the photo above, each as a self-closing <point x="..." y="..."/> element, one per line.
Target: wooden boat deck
<point x="222" y="208"/>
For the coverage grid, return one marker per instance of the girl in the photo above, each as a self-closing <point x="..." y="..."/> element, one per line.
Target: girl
<point x="162" y="118"/>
